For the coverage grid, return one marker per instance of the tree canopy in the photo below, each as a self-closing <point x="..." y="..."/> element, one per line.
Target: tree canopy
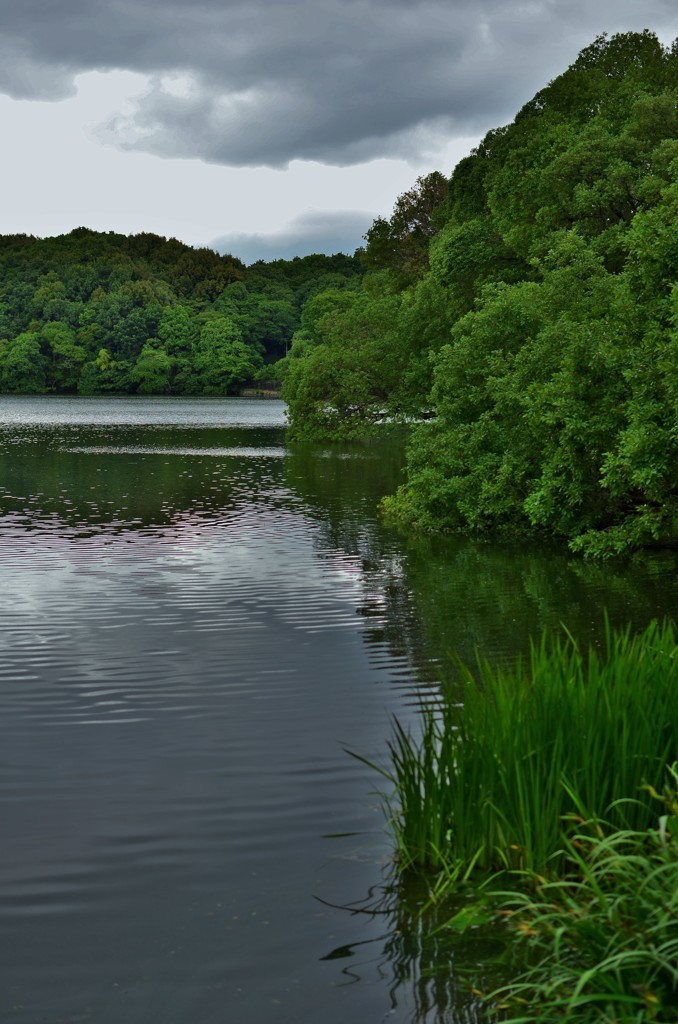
<point x="527" y="311"/>
<point x="92" y="312"/>
<point x="522" y="314"/>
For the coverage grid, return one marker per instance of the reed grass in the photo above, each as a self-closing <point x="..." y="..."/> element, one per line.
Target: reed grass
<point x="559" y="737"/>
<point x="602" y="947"/>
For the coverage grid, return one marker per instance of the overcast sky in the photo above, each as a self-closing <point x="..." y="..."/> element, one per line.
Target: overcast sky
<point x="265" y="127"/>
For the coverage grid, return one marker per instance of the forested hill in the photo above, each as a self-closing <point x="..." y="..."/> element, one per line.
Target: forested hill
<point x="526" y="308"/>
<point x="93" y="312"/>
<point x="529" y="305"/>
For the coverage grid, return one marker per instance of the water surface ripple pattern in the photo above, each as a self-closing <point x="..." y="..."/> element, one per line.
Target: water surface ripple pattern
<point x="196" y="619"/>
<point x="182" y="657"/>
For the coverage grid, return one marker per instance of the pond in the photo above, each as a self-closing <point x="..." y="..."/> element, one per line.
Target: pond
<point x="196" y="621"/>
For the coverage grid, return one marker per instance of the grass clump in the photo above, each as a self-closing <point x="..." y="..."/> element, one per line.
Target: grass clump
<point x="494" y="779"/>
<point x="602" y="948"/>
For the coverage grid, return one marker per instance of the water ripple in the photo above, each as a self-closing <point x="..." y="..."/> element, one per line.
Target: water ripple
<point x="186" y="647"/>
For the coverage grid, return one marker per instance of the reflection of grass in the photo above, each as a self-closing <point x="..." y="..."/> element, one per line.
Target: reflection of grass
<point x="433" y="971"/>
<point x="490" y="783"/>
<point x="438" y="966"/>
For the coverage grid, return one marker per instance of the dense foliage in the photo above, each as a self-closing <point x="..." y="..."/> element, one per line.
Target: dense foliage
<point x="92" y="312"/>
<point x="558" y="779"/>
<point x="603" y="945"/>
<point x="526" y="310"/>
<point x="531" y="305"/>
<point x="517" y="752"/>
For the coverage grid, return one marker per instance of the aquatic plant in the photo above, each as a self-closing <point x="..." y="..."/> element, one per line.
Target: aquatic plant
<point x="604" y="946"/>
<point x="497" y="776"/>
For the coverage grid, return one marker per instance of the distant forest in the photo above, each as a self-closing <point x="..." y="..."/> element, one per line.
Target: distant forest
<point x="521" y="316"/>
<point x="94" y="313"/>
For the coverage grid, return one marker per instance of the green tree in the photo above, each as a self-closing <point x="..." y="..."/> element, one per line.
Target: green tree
<point x="23" y="369"/>
<point x="556" y="397"/>
<point x="178" y="329"/>
<point x="351" y="366"/>
<point x="152" y="370"/>
<point x="401" y="243"/>
<point x="222" y="360"/>
<point x="104" y="374"/>
<point x="64" y="356"/>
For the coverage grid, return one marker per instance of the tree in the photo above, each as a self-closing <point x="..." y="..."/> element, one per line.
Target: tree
<point x="178" y="329"/>
<point x="222" y="360"/>
<point x="23" y="366"/>
<point x="401" y="243"/>
<point x="152" y="370"/>
<point x="557" y="395"/>
<point x="342" y="384"/>
<point x="64" y="356"/>
<point x="104" y="374"/>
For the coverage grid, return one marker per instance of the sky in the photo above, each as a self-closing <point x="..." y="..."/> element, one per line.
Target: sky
<point x="265" y="128"/>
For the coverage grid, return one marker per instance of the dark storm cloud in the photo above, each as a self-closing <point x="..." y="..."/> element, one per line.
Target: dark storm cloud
<point x="316" y="231"/>
<point x="338" y="81"/>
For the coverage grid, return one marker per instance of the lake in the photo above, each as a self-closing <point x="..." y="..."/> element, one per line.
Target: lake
<point x="196" y="621"/>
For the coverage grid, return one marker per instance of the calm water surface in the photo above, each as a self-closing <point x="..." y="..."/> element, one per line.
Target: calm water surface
<point x="195" y="621"/>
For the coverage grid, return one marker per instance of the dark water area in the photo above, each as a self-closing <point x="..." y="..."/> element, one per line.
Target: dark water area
<point x="195" y="620"/>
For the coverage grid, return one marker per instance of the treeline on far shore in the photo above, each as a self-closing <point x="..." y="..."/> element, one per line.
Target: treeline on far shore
<point x="97" y="312"/>
<point x="522" y="313"/>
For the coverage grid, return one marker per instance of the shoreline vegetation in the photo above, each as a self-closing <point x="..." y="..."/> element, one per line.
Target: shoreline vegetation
<point x="558" y="776"/>
<point x="530" y="301"/>
<point x="93" y="313"/>
<point x="520" y="317"/>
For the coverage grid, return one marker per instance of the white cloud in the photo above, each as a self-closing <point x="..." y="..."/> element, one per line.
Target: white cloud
<point x="57" y="176"/>
<point x="312" y="231"/>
